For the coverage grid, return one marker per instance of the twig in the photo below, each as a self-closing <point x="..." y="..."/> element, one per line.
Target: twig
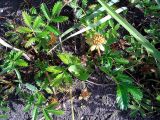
<point x="60" y="40"/>
<point x="71" y="99"/>
<point x="2" y="42"/>
<point x="98" y="84"/>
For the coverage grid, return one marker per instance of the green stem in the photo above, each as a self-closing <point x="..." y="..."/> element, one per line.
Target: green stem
<point x="18" y="75"/>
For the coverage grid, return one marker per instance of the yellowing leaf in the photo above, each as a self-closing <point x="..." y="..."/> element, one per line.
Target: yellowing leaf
<point x="53" y="39"/>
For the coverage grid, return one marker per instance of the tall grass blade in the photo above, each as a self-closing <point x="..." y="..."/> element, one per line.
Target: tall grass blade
<point x="141" y="39"/>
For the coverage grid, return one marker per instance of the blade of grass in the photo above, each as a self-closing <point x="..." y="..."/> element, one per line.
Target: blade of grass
<point x="158" y="2"/>
<point x="149" y="47"/>
<point x="5" y="44"/>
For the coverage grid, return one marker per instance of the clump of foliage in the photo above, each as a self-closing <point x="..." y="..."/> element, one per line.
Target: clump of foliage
<point x="117" y="56"/>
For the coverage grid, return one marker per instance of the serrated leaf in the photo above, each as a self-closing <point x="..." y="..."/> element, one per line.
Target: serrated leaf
<point x="45" y="11"/>
<point x="53" y="29"/>
<point x="35" y="113"/>
<point x="121" y="60"/>
<point x="33" y="10"/>
<point x="21" y="62"/>
<point x="79" y="72"/>
<point x="31" y="87"/>
<point x="38" y="22"/>
<point x="46" y="115"/>
<point x="59" y="19"/>
<point x="84" y="3"/>
<point x="135" y="92"/>
<point x="24" y="30"/>
<point x="122" y="97"/>
<point x="68" y="58"/>
<point x="79" y="13"/>
<point x="133" y="113"/>
<point x="27" y="19"/>
<point x="30" y="42"/>
<point x="43" y="34"/>
<point x="55" y="69"/>
<point x="124" y="78"/>
<point x="57" y="8"/>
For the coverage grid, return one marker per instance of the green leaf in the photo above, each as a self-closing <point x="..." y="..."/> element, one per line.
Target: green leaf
<point x="158" y="98"/>
<point x="21" y="63"/>
<point x="68" y="58"/>
<point x="66" y="77"/>
<point x="79" y="14"/>
<point x="122" y="97"/>
<point x="57" y="8"/>
<point x="38" y="22"/>
<point x="33" y="10"/>
<point x="111" y="23"/>
<point x="40" y="98"/>
<point x="24" y="30"/>
<point x="5" y="109"/>
<point x="53" y="29"/>
<point x="46" y="115"/>
<point x="43" y="34"/>
<point x="117" y="27"/>
<point x="133" y="113"/>
<point x="121" y="60"/>
<point x="35" y="113"/>
<point x="59" y="19"/>
<point x="135" y="92"/>
<point x="45" y="11"/>
<point x="84" y="3"/>
<point x="30" y="42"/>
<point x="51" y="106"/>
<point x="124" y="78"/>
<point x="31" y="87"/>
<point x="3" y="116"/>
<point x="158" y="2"/>
<point x="27" y="19"/>
<point x="27" y="107"/>
<point x="55" y="69"/>
<point x="55" y="112"/>
<point x="79" y="72"/>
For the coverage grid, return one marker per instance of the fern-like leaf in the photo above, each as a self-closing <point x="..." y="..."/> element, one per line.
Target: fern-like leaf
<point x="122" y="97"/>
<point x="57" y="8"/>
<point x="27" y="19"/>
<point x="45" y="11"/>
<point x="135" y="92"/>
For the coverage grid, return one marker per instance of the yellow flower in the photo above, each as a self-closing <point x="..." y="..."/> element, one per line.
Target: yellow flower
<point x="96" y="43"/>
